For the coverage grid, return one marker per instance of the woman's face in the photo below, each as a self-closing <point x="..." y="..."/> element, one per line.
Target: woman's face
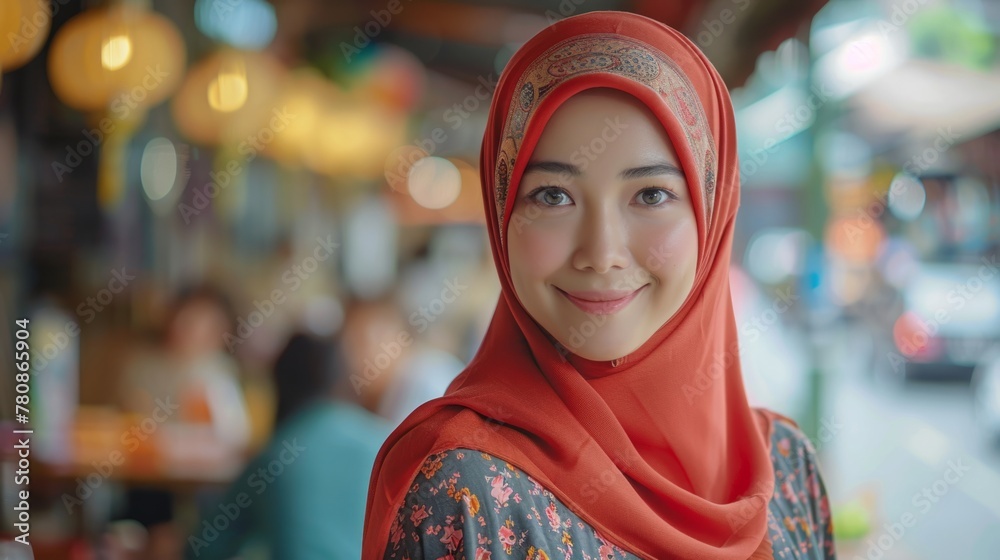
<point x="602" y="241"/>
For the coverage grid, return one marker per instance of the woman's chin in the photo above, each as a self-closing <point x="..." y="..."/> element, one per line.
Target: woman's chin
<point x="597" y="351"/>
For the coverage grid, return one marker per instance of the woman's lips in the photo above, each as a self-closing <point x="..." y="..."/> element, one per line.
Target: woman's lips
<point x="601" y="302"/>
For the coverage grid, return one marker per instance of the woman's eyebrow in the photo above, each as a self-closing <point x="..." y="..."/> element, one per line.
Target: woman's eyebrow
<point x="651" y="171"/>
<point x="553" y="167"/>
<point x="630" y="173"/>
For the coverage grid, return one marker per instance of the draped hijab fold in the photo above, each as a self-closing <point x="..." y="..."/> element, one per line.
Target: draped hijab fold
<point x="660" y="450"/>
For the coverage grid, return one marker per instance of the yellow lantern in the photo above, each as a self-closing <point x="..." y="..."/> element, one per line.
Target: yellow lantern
<point x="24" y="26"/>
<point x="229" y="98"/>
<point x="117" y="62"/>
<point x="118" y="58"/>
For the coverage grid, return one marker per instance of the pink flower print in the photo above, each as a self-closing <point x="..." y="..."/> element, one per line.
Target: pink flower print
<point x="501" y="492"/>
<point x="554" y="520"/>
<point x="785" y="447"/>
<point x="606" y="553"/>
<point x="506" y="536"/>
<point x="483" y="554"/>
<point x="789" y="491"/>
<point x="418" y="515"/>
<point x="452" y="538"/>
<point x="814" y="490"/>
<point x="396" y="532"/>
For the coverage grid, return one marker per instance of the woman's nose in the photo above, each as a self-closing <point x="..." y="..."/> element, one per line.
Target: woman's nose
<point x="602" y="242"/>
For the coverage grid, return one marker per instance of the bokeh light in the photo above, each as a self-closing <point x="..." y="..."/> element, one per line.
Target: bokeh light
<point x="158" y="169"/>
<point x="907" y="197"/>
<point x="24" y="27"/>
<point x="246" y="24"/>
<point x="775" y="254"/>
<point x="121" y="57"/>
<point x="434" y="182"/>
<point x="116" y="52"/>
<point x="227" y="92"/>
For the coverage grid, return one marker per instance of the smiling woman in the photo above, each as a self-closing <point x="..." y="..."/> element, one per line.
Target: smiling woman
<point x="609" y="164"/>
<point x="585" y="231"/>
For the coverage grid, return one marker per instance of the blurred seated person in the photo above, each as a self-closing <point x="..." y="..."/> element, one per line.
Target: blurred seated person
<point x="190" y="377"/>
<point x="304" y="496"/>
<point x="189" y="385"/>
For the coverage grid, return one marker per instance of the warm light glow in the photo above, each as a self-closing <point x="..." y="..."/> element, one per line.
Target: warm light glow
<point x="116" y="52"/>
<point x="121" y="56"/>
<point x="912" y="336"/>
<point x="24" y="27"/>
<point x="855" y="239"/>
<point x="229" y="96"/>
<point x="228" y="91"/>
<point x="434" y="182"/>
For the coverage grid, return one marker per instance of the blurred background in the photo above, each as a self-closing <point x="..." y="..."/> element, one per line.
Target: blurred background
<point x="249" y="239"/>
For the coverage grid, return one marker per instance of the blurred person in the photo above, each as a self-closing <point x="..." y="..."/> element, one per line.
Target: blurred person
<point x="303" y="496"/>
<point x="608" y="391"/>
<point x="192" y="369"/>
<point x="377" y="340"/>
<point x="189" y="385"/>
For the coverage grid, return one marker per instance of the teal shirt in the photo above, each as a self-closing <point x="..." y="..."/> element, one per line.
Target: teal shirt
<point x="303" y="497"/>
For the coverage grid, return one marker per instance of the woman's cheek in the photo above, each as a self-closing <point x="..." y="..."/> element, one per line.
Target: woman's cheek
<point x="539" y="248"/>
<point x="669" y="250"/>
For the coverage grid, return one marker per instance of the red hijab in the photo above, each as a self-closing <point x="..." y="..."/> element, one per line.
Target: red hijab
<point x="659" y="451"/>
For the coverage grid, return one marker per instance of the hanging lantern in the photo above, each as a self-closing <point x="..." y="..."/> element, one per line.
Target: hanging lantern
<point x="117" y="62"/>
<point x="229" y="98"/>
<point x="24" y="26"/>
<point x="118" y="59"/>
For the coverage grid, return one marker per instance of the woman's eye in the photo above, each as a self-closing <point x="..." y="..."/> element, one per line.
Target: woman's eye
<point x="550" y="196"/>
<point x="654" y="197"/>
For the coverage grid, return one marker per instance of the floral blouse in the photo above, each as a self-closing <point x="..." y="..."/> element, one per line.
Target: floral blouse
<point x="467" y="504"/>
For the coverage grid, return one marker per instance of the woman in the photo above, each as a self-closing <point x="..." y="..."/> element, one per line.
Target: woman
<point x="604" y="415"/>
